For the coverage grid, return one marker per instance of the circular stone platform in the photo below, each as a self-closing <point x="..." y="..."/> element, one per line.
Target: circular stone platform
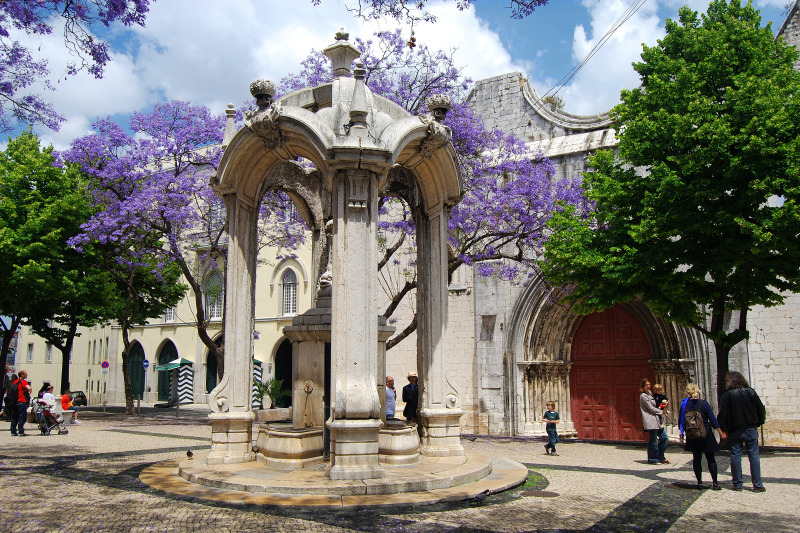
<point x="432" y="480"/>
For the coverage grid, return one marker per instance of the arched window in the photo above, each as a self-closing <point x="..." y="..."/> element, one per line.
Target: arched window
<point x="289" y="282"/>
<point x="215" y="295"/>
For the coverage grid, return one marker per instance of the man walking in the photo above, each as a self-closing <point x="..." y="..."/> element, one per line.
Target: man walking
<point x="740" y="413"/>
<point x="19" y="413"/>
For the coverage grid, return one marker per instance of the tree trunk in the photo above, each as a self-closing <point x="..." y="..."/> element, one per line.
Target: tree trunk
<point x="8" y="336"/>
<point x="723" y="351"/>
<point x="66" y="349"/>
<point x="126" y="371"/>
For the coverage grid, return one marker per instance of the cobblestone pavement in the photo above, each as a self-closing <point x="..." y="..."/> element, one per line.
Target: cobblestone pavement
<point x="88" y="481"/>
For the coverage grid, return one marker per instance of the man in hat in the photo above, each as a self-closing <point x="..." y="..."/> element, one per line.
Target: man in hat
<point x="410" y="396"/>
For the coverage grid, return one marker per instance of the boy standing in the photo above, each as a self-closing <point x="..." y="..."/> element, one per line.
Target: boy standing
<point x="551" y="417"/>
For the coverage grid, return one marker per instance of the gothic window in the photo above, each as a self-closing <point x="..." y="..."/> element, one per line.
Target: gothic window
<point x="214" y="295"/>
<point x="289" y="282"/>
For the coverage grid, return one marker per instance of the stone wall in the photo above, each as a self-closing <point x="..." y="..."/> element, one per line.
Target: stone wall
<point x="790" y="31"/>
<point x="459" y="346"/>
<point x="775" y="368"/>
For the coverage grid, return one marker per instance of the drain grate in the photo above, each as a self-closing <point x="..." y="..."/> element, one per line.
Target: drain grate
<point x="540" y="493"/>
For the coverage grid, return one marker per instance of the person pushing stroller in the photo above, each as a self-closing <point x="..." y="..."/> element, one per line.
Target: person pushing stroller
<point x="43" y="407"/>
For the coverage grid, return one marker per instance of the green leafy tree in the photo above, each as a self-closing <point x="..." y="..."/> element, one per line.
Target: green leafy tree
<point x="699" y="214"/>
<point x="42" y="281"/>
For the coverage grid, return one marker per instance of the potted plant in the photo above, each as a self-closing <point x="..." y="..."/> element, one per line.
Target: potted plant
<point x="273" y="388"/>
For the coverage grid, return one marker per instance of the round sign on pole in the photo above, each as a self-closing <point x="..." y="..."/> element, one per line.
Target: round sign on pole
<point x="145" y="363"/>
<point x="104" y="365"/>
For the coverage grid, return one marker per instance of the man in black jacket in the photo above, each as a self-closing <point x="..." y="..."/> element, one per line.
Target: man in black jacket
<point x="411" y="397"/>
<point x="740" y="413"/>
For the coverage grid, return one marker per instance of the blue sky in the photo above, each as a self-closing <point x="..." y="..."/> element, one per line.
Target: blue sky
<point x="208" y="51"/>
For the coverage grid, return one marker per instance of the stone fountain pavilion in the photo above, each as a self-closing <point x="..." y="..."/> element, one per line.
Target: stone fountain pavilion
<point x="362" y="146"/>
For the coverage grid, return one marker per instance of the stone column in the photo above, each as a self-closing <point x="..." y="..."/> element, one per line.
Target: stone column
<point x="230" y="402"/>
<point x="439" y="412"/>
<point x="355" y="419"/>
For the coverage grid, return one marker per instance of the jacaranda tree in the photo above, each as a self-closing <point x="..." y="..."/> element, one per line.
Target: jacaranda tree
<point x="21" y="74"/>
<point x="510" y="194"/>
<point x="700" y="213"/>
<point x="155" y="181"/>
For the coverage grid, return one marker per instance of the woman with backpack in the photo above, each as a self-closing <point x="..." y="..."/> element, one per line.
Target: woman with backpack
<point x="695" y="421"/>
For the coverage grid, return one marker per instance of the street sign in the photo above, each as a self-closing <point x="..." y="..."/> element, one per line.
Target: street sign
<point x="104" y="366"/>
<point x="105" y="370"/>
<point x="145" y="363"/>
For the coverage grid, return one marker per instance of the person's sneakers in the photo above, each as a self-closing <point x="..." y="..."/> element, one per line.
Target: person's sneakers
<point x="664" y="461"/>
<point x="554" y="453"/>
<point x="759" y="489"/>
<point x="737" y="489"/>
<point x="716" y="486"/>
<point x="74" y="421"/>
<point x="13" y="434"/>
<point x="700" y="486"/>
<point x="547" y="450"/>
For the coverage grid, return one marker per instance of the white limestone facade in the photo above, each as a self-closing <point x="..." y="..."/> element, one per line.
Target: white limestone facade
<point x="176" y="328"/>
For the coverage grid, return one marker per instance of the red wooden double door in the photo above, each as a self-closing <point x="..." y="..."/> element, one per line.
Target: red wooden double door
<point x="610" y="355"/>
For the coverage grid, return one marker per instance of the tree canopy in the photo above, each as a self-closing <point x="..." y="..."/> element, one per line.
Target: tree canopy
<point x="699" y="214"/>
<point x="43" y="282"/>
<point x="21" y="73"/>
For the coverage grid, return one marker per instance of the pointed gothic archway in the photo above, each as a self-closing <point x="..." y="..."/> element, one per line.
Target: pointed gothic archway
<point x="544" y="343"/>
<point x="610" y="354"/>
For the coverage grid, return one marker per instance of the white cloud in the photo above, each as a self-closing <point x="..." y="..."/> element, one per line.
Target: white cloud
<point x="478" y="49"/>
<point x="208" y="52"/>
<point x="596" y="86"/>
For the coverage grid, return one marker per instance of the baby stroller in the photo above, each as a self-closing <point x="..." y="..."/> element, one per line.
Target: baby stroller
<point x="47" y="420"/>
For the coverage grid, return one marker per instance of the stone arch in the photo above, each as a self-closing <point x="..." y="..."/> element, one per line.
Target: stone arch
<point x="167" y="351"/>
<point x="136" y="369"/>
<point x="295" y="264"/>
<point x="282" y="368"/>
<point x="211" y="366"/>
<point x="540" y="341"/>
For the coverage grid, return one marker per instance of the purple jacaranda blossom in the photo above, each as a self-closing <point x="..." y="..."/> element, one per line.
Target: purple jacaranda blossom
<point x="509" y="192"/>
<point x="20" y="73"/>
<point x="157" y="180"/>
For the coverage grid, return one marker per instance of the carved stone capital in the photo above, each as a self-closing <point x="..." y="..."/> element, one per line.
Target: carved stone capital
<point x="438" y="136"/>
<point x="264" y="123"/>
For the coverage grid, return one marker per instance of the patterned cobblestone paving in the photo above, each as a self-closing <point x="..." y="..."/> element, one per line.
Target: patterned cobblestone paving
<point x="88" y="481"/>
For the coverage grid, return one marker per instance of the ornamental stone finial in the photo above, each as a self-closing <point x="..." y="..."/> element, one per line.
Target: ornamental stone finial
<point x="263" y="91"/>
<point x="264" y="120"/>
<point x="439" y="105"/>
<point x="342" y="54"/>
